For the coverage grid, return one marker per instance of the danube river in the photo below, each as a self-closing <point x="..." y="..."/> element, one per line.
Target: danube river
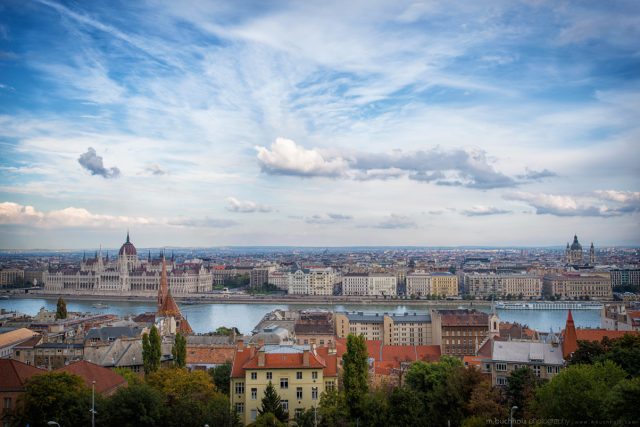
<point x="208" y="317"/>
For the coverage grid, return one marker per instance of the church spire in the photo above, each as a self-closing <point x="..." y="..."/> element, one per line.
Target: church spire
<point x="128" y="236"/>
<point x="163" y="289"/>
<point x="570" y="343"/>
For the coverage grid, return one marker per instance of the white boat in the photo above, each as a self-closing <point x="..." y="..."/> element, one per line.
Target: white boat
<point x="552" y="305"/>
<point x="100" y="305"/>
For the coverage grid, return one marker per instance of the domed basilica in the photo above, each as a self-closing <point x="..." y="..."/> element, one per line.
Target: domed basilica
<point x="574" y="255"/>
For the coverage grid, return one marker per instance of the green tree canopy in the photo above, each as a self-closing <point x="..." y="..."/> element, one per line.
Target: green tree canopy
<point x="179" y="351"/>
<point x="151" y="350"/>
<point x="271" y="404"/>
<point x="61" y="309"/>
<point x="355" y="365"/>
<point x="133" y="406"/>
<point x="520" y="391"/>
<point x="221" y="376"/>
<point x="55" y="396"/>
<point x="579" y="393"/>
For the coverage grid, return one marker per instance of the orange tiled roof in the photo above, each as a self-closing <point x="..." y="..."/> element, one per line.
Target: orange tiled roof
<point x="106" y="380"/>
<point x="599" y="334"/>
<point x="472" y="360"/>
<point x="209" y="355"/>
<point x="247" y="358"/>
<point x="14" y="374"/>
<point x="15" y="336"/>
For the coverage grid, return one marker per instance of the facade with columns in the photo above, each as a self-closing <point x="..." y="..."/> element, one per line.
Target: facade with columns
<point x="127" y="274"/>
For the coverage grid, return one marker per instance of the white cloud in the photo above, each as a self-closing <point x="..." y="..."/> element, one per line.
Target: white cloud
<point x="246" y="206"/>
<point x="285" y="157"/>
<point x="481" y="210"/>
<point x="581" y="205"/>
<point x="395" y="221"/>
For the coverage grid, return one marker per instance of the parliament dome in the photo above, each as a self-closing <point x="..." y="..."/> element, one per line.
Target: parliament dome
<point x="127" y="248"/>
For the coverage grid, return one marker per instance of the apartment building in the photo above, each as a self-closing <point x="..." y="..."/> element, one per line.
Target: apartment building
<point x="461" y="332"/>
<point x="544" y="359"/>
<point x="369" y="284"/>
<point x="391" y="329"/>
<point x="444" y="284"/>
<point x="579" y="286"/>
<point x="525" y="286"/>
<point x="299" y="374"/>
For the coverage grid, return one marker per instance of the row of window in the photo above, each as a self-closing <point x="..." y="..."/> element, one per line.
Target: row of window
<point x="269" y="375"/>
<point x="502" y="367"/>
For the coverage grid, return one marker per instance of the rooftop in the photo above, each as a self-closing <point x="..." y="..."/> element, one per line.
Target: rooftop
<point x="527" y="352"/>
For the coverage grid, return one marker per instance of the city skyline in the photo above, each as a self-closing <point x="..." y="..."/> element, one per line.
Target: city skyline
<point x="291" y="124"/>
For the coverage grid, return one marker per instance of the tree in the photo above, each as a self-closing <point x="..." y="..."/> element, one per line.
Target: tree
<point x="405" y="407"/>
<point x="587" y="352"/>
<point x="271" y="404"/>
<point x="623" y="401"/>
<point x="486" y="402"/>
<point x="221" y="376"/>
<point x="521" y="387"/>
<point x="333" y="410"/>
<point x="61" y="309"/>
<point x="579" y="393"/>
<point x="355" y="363"/>
<point x="179" y="351"/>
<point x="625" y="352"/>
<point x="191" y="398"/>
<point x="56" y="396"/>
<point x="136" y="405"/>
<point x="267" y="420"/>
<point x="151" y="351"/>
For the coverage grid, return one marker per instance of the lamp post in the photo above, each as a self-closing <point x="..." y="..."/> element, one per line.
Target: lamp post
<point x="93" y="404"/>
<point x="53" y="423"/>
<point x="513" y="408"/>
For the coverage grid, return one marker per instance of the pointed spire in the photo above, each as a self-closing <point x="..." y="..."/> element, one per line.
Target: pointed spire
<point x="127" y="236"/>
<point x="570" y="343"/>
<point x="84" y="256"/>
<point x="173" y="258"/>
<point x="149" y="255"/>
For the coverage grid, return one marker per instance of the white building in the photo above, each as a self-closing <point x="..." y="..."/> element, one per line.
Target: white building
<point x="418" y="284"/>
<point x="524" y="286"/>
<point x="127" y="275"/>
<point x="369" y="284"/>
<point x="312" y="281"/>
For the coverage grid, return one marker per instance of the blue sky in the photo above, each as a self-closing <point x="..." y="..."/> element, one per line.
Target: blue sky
<point x="319" y="123"/>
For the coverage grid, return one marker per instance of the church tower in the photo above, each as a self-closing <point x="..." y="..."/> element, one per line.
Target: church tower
<point x="592" y="255"/>
<point x="167" y="306"/>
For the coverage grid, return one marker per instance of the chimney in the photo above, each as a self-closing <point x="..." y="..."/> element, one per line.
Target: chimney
<point x="261" y="357"/>
<point x="252" y="352"/>
<point x="240" y="344"/>
<point x="305" y="358"/>
<point x="261" y="343"/>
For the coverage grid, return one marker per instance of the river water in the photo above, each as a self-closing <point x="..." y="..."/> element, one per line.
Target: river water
<point x="208" y="317"/>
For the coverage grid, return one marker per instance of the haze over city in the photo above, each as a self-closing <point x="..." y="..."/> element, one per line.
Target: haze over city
<point x="329" y="124"/>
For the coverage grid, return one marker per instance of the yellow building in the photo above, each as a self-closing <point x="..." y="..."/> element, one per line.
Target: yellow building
<point x="299" y="374"/>
<point x="394" y="329"/>
<point x="444" y="284"/>
<point x="576" y="286"/>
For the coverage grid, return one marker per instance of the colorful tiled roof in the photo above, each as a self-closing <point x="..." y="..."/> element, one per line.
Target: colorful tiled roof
<point x="600" y="334"/>
<point x="14" y="374"/>
<point x="209" y="355"/>
<point x="107" y="381"/>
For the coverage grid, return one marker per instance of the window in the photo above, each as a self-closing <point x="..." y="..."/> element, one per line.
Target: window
<point x="328" y="385"/>
<point x="254" y="375"/>
<point x="269" y="375"/>
<point x="254" y="393"/>
<point x="501" y="366"/>
<point x="240" y="388"/>
<point x="314" y="375"/>
<point x="299" y="393"/>
<point x="549" y="369"/>
<point x="240" y="407"/>
<point x="501" y="381"/>
<point x="298" y="375"/>
<point x="254" y="414"/>
<point x="314" y="393"/>
<point x="285" y="404"/>
<point x="284" y="382"/>
<point x="299" y="411"/>
<point x="7" y="403"/>
<point x="536" y="370"/>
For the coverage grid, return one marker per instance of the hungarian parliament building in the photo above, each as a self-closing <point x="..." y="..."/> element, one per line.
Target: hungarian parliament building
<point x="127" y="275"/>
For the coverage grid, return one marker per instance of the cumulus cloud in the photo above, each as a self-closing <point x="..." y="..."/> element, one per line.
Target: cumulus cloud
<point x="396" y="222"/>
<point x="457" y="167"/>
<point x="285" y="157"/>
<point x="330" y="218"/>
<point x="480" y="210"/>
<point x="602" y="203"/>
<point x="72" y="217"/>
<point x="246" y="206"/>
<point x="93" y="163"/>
<point x="16" y="214"/>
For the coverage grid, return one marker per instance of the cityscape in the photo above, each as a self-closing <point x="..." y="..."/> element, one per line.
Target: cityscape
<point x="303" y="214"/>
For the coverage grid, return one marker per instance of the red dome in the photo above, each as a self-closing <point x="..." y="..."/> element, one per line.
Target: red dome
<point x="127" y="248"/>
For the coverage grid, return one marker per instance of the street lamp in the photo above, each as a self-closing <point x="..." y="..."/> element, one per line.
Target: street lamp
<point x="513" y="408"/>
<point x="93" y="404"/>
<point x="53" y="423"/>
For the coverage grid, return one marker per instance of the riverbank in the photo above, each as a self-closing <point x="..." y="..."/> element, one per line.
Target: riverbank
<point x="262" y="299"/>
